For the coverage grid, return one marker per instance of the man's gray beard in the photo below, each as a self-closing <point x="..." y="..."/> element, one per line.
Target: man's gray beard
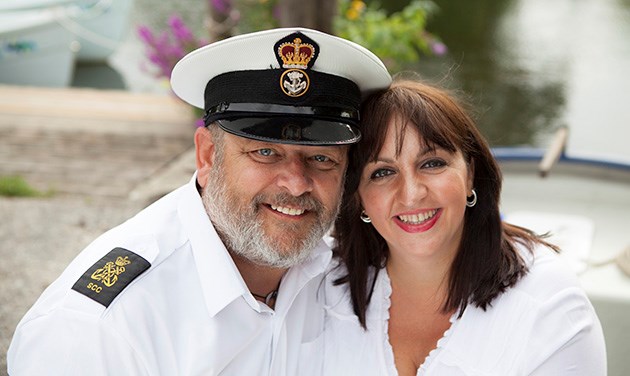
<point x="242" y="232"/>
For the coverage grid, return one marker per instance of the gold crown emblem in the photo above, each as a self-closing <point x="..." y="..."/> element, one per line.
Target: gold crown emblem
<point x="123" y="261"/>
<point x="296" y="54"/>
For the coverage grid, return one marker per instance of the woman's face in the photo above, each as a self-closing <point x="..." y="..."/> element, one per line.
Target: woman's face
<point x="416" y="200"/>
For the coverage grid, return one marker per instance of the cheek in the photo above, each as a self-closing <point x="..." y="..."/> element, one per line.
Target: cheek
<point x="372" y="199"/>
<point x="454" y="191"/>
<point x="244" y="179"/>
<point x="329" y="188"/>
<point x="248" y="178"/>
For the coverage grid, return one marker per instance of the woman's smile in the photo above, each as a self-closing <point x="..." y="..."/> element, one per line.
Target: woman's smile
<point x="419" y="222"/>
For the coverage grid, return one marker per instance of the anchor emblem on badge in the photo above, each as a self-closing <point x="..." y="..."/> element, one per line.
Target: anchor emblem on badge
<point x="294" y="82"/>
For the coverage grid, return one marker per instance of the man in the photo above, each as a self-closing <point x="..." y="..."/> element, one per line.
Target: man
<point x="220" y="276"/>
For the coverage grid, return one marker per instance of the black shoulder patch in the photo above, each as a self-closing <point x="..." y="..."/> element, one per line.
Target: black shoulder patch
<point x="110" y="275"/>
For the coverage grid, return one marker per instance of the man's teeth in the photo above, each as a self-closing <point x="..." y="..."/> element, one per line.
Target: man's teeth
<point x="288" y="211"/>
<point x="415" y="219"/>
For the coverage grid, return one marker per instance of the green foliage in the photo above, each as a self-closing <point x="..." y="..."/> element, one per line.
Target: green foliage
<point x="16" y="186"/>
<point x="398" y="39"/>
<point x="255" y="15"/>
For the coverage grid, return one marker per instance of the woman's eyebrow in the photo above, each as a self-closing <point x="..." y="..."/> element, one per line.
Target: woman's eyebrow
<point x="424" y="151"/>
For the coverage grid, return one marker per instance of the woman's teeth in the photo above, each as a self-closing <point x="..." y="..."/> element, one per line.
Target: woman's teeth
<point x="415" y="219"/>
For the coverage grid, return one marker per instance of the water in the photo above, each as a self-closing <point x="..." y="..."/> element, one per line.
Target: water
<point x="529" y="66"/>
<point x="532" y="66"/>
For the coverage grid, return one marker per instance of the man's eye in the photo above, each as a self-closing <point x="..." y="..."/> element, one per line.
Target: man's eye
<point x="264" y="155"/>
<point x="322" y="162"/>
<point x="321" y="158"/>
<point x="265" y="152"/>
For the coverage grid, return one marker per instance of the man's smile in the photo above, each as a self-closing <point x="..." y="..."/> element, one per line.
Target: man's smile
<point x="287" y="210"/>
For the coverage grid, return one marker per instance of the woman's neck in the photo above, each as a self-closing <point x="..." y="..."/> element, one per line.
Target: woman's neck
<point x="426" y="276"/>
<point x="417" y="319"/>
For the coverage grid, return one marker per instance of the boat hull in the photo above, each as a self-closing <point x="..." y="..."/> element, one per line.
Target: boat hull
<point x="99" y="26"/>
<point x="35" y="50"/>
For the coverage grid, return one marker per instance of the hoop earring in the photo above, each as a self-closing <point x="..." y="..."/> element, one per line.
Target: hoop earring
<point x="364" y="217"/>
<point x="470" y="202"/>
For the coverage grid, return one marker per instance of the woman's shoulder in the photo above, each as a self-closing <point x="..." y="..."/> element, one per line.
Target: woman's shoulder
<point x="548" y="284"/>
<point x="548" y="275"/>
<point x="532" y="320"/>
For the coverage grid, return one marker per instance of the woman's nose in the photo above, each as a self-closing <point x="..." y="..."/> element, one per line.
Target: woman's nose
<point x="411" y="190"/>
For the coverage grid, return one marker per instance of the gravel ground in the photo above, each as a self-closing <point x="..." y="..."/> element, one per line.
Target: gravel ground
<point x="38" y="238"/>
<point x="99" y="176"/>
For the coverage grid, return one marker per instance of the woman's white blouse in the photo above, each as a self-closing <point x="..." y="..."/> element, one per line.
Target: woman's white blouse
<point x="545" y="325"/>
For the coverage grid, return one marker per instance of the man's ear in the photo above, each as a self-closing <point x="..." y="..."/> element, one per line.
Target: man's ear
<point x="204" y="148"/>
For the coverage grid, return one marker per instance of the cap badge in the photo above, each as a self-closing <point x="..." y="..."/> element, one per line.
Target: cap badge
<point x="296" y="53"/>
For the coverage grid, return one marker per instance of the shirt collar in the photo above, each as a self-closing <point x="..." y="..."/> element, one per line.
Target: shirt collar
<point x="300" y="275"/>
<point x="221" y="282"/>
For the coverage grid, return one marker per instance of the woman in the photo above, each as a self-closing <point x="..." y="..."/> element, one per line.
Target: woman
<point x="431" y="281"/>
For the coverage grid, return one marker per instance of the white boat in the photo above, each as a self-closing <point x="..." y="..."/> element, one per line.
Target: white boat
<point x="40" y="40"/>
<point x="584" y="202"/>
<point x="35" y="49"/>
<point x="13" y="5"/>
<point x="98" y="25"/>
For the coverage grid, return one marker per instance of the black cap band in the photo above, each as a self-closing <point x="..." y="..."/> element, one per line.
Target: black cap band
<point x="263" y="86"/>
<point x="253" y="104"/>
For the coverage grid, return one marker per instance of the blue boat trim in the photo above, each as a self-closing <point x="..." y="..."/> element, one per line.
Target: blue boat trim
<point x="530" y="154"/>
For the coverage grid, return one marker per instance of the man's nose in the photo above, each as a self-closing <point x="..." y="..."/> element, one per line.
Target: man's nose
<point x="294" y="177"/>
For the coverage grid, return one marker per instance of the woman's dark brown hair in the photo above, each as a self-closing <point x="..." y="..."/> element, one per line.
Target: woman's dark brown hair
<point x="487" y="262"/>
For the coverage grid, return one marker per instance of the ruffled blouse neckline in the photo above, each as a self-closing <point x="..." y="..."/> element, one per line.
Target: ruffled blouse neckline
<point x="386" y="290"/>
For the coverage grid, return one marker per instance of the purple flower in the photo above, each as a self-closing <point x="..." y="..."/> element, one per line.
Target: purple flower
<point x="163" y="50"/>
<point x="146" y="35"/>
<point x="221" y="6"/>
<point x="438" y="48"/>
<point x="181" y="33"/>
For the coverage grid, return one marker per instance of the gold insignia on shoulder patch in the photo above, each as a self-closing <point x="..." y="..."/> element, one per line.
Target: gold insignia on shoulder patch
<point x="110" y="275"/>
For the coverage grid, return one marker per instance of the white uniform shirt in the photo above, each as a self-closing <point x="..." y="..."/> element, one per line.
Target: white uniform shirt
<point x="545" y="325"/>
<point x="189" y="313"/>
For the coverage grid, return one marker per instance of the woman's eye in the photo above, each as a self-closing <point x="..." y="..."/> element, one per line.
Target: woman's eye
<point x="434" y="163"/>
<point x="381" y="173"/>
